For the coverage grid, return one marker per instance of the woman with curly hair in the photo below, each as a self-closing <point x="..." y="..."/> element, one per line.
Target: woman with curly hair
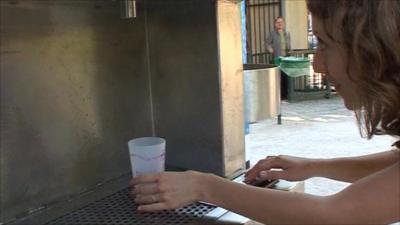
<point x="359" y="50"/>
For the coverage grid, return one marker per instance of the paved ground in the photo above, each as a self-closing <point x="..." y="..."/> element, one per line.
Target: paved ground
<point x="316" y="129"/>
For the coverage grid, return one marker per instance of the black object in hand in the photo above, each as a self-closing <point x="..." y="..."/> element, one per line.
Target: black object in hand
<point x="264" y="183"/>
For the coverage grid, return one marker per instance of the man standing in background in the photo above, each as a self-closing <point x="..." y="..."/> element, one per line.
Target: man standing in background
<point x="278" y="44"/>
<point x="278" y="41"/>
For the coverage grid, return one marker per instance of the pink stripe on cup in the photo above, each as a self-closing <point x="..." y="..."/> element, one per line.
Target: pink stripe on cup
<point x="148" y="158"/>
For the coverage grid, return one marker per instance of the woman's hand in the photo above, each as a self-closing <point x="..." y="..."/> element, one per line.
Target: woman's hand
<point x="166" y="190"/>
<point x="289" y="168"/>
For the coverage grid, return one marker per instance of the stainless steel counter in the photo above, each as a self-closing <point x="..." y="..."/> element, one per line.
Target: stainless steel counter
<point x="117" y="208"/>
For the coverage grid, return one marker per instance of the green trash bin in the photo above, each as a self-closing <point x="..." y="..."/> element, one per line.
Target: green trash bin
<point x="294" y="66"/>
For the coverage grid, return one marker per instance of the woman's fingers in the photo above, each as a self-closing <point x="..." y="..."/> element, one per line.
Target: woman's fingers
<point x="273" y="175"/>
<point x="266" y="164"/>
<point x="274" y="162"/>
<point x="165" y="190"/>
<point x="145" y="188"/>
<point x="148" y="199"/>
<point x="253" y="172"/>
<point x="149" y="178"/>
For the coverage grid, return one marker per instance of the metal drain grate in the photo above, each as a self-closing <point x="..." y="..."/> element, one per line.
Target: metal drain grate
<point x="119" y="209"/>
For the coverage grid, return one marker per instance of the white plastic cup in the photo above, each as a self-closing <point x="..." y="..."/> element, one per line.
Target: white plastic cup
<point x="147" y="155"/>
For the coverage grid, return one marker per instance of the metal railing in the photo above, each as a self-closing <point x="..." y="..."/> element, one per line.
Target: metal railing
<point x="260" y="16"/>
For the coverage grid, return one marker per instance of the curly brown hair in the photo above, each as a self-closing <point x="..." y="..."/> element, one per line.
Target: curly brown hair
<point x="369" y="30"/>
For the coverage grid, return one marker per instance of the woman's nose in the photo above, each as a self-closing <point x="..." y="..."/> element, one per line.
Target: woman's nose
<point x="318" y="63"/>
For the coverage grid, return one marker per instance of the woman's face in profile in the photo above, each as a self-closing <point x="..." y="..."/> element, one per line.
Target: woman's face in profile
<point x="330" y="59"/>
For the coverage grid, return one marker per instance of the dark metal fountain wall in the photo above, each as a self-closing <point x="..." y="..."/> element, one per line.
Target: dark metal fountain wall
<point x="77" y="82"/>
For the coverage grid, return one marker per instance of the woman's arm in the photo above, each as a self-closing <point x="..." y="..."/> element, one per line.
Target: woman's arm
<point x="266" y="205"/>
<point x="371" y="200"/>
<point x="354" y="168"/>
<point x="345" y="169"/>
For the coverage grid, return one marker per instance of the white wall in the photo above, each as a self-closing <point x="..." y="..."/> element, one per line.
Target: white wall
<point x="295" y="14"/>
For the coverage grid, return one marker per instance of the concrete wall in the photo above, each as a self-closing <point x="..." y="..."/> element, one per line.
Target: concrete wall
<point x="295" y="14"/>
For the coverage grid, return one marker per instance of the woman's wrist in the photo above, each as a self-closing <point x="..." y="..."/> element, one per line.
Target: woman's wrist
<point x="318" y="167"/>
<point x="204" y="183"/>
